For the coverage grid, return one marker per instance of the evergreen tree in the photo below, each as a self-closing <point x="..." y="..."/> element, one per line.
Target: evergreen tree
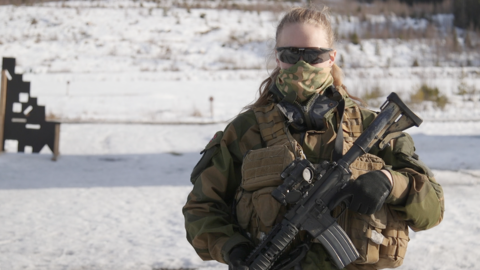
<point x="467" y="13"/>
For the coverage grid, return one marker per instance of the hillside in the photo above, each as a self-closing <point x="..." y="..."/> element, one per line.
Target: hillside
<point x="85" y="41"/>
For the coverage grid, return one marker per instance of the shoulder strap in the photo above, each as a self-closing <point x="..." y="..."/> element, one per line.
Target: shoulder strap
<point x="352" y="120"/>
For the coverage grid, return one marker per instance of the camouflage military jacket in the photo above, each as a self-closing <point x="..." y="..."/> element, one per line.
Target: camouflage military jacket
<point x="209" y="221"/>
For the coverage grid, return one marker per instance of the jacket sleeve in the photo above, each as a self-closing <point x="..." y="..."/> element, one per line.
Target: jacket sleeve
<point x="210" y="227"/>
<point x="416" y="196"/>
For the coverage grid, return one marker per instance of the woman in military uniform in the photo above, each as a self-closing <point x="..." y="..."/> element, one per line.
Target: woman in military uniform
<point x="230" y="209"/>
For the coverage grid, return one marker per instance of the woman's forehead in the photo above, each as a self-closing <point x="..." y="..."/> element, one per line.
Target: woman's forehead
<point x="302" y="35"/>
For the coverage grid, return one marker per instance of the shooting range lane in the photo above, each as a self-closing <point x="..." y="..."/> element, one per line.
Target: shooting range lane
<point x="111" y="155"/>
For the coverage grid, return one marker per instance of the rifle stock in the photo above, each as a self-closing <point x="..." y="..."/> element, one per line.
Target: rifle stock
<point x="311" y="213"/>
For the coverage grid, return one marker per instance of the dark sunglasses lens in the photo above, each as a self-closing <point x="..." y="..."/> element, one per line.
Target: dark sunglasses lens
<point x="315" y="56"/>
<point x="288" y="56"/>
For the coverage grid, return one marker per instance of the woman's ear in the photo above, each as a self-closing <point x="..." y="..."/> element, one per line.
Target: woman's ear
<point x="276" y="59"/>
<point x="332" y="58"/>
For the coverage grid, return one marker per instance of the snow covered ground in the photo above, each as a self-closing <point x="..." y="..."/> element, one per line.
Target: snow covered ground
<point x="113" y="199"/>
<point x="158" y="98"/>
<point x="132" y="85"/>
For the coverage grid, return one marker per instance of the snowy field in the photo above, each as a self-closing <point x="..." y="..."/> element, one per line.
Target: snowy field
<point x="131" y="82"/>
<point x="81" y="55"/>
<point x="113" y="199"/>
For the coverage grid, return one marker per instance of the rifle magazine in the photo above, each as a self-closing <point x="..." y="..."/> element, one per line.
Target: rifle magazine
<point x="338" y="245"/>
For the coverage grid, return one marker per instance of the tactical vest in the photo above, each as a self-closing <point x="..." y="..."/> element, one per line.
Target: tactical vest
<point x="380" y="238"/>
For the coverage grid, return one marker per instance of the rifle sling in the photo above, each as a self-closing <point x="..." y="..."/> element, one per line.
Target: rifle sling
<point x="338" y="150"/>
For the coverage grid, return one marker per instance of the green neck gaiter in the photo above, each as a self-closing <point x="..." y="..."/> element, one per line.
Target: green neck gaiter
<point x="303" y="79"/>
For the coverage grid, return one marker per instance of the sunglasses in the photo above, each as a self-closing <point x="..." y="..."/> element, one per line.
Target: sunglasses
<point x="292" y="55"/>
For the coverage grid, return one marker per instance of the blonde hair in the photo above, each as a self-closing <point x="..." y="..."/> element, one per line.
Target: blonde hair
<point x="310" y="15"/>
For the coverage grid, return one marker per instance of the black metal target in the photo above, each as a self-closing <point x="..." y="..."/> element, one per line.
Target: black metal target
<point x="23" y="119"/>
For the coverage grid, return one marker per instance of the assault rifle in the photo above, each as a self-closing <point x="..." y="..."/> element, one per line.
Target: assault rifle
<point x="309" y="200"/>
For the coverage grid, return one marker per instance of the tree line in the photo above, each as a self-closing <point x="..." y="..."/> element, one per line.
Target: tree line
<point x="466" y="12"/>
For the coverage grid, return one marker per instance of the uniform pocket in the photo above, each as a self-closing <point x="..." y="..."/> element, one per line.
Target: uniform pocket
<point x="244" y="208"/>
<point x="366" y="163"/>
<point x="365" y="232"/>
<point x="262" y="167"/>
<point x="394" y="247"/>
<point x="205" y="161"/>
<point x="257" y="210"/>
<point x="318" y="145"/>
<point x="266" y="206"/>
<point x="381" y="239"/>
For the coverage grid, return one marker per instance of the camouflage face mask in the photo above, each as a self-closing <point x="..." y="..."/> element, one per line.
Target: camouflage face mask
<point x="303" y="79"/>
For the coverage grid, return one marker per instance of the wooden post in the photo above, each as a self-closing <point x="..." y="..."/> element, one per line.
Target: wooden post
<point x="3" y="100"/>
<point x="56" y="144"/>
<point x="211" y="106"/>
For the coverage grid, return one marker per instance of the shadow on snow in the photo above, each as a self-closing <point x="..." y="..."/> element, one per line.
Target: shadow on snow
<point x="21" y="171"/>
<point x="32" y="171"/>
<point x="449" y="152"/>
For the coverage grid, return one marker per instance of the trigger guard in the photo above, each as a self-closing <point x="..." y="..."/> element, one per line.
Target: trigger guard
<point x="346" y="202"/>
